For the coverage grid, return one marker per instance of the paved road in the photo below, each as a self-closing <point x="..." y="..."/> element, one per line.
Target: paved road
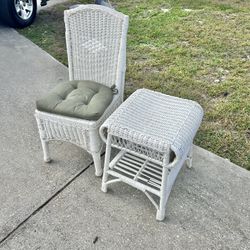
<point x="209" y="207"/>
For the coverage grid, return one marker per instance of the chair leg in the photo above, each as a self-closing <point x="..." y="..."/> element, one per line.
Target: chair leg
<point x="97" y="163"/>
<point x="45" y="146"/>
<point x="189" y="160"/>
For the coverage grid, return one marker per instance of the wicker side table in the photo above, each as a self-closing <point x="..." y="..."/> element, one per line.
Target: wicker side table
<point x="154" y="134"/>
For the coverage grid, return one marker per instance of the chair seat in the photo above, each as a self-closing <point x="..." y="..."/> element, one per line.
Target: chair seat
<point x="81" y="99"/>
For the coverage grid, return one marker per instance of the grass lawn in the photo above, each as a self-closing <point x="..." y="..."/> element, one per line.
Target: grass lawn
<point x="198" y="50"/>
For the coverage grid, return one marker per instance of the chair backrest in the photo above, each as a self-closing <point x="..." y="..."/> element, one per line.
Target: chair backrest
<point x="96" y="44"/>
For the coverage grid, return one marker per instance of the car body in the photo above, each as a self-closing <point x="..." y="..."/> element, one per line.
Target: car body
<point x="19" y="13"/>
<point x="22" y="13"/>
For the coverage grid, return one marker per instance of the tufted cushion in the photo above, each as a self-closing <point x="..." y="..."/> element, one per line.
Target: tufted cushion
<point x="82" y="99"/>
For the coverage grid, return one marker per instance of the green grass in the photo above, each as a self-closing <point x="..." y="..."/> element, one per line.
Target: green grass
<point x="203" y="55"/>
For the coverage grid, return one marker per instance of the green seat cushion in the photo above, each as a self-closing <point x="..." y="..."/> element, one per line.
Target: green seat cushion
<point x="81" y="99"/>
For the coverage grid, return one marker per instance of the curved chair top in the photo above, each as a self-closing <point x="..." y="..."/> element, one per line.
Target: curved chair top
<point x="96" y="44"/>
<point x="88" y="7"/>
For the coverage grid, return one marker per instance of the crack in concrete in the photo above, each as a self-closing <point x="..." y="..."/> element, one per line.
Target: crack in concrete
<point x="11" y="233"/>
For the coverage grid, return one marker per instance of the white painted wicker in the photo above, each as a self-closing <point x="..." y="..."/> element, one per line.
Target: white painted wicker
<point x="154" y="133"/>
<point x="96" y="47"/>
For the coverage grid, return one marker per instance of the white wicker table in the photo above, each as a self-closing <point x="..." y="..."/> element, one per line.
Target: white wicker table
<point x="154" y="134"/>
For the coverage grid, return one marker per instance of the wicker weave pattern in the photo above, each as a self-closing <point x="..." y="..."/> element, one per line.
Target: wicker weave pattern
<point x="94" y="36"/>
<point x="96" y="47"/>
<point x="121" y="143"/>
<point x="156" y="121"/>
<point x="76" y="131"/>
<point x="154" y="133"/>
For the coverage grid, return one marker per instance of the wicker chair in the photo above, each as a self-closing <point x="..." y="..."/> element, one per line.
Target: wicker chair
<point x="96" y="48"/>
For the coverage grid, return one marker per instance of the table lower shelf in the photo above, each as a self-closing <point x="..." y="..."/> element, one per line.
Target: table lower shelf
<point x="137" y="171"/>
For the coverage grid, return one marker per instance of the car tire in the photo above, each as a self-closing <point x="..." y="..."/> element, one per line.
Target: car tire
<point x="18" y="13"/>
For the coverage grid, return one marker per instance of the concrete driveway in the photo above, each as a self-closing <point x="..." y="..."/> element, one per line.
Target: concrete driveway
<point x="26" y="182"/>
<point x="60" y="205"/>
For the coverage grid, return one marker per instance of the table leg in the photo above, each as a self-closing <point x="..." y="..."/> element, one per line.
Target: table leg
<point x="160" y="215"/>
<point x="164" y="193"/>
<point x="106" y="164"/>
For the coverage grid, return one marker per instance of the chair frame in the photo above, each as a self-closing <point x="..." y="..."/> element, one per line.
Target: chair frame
<point x="85" y="133"/>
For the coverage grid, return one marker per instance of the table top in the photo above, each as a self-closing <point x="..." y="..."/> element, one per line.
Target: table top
<point x="156" y="120"/>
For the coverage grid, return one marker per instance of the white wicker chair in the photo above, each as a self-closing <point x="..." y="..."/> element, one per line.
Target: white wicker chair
<point x="96" y="47"/>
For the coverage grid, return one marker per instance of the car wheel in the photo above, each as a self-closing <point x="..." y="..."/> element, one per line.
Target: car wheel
<point x="18" y="13"/>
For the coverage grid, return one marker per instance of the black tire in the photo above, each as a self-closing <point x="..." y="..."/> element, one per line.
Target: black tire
<point x="9" y="15"/>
